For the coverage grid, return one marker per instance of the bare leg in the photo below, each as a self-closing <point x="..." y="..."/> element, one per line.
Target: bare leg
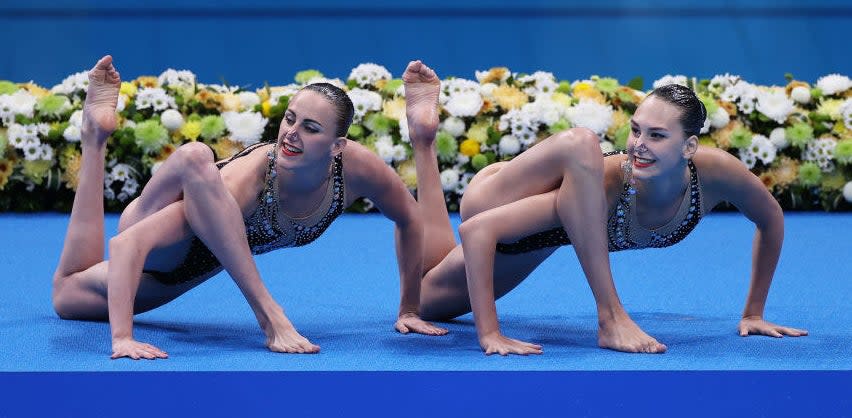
<point x="422" y="87"/>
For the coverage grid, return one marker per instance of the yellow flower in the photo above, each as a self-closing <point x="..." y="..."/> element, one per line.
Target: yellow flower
<point x="408" y="173"/>
<point x="585" y="90"/>
<point x="209" y="99"/>
<point x="394" y="109"/>
<point x="479" y="131"/>
<point x="769" y="179"/>
<point x="128" y="89"/>
<point x="225" y="148"/>
<point x="787" y="171"/>
<point x="469" y="147"/>
<point x="509" y="97"/>
<point x="264" y="108"/>
<point x="72" y="170"/>
<point x="146" y="81"/>
<point x="707" y="141"/>
<point x="729" y="107"/>
<point x="562" y="98"/>
<point x="628" y="95"/>
<point x="831" y="108"/>
<point x="381" y="83"/>
<point x="35" y="90"/>
<point x="230" y="102"/>
<point x="619" y="119"/>
<point x="495" y="75"/>
<point x="191" y="130"/>
<point x="723" y="136"/>
<point x="166" y="151"/>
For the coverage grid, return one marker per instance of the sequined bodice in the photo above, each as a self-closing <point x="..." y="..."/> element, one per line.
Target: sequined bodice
<point x="267" y="231"/>
<point x="625" y="233"/>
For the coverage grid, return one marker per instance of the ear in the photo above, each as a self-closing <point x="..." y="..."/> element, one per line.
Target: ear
<point x="690" y="147"/>
<point x="338" y="145"/>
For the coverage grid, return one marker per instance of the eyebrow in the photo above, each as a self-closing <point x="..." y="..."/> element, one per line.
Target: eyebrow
<point x="653" y="128"/>
<point x="306" y="120"/>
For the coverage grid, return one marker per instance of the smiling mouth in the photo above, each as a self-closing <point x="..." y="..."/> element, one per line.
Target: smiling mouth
<point x="288" y="149"/>
<point x="643" y="162"/>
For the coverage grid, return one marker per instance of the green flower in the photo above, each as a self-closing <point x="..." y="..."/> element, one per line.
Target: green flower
<point x="833" y="181"/>
<point x="620" y="140"/>
<point x="53" y="105"/>
<point x="303" y="77"/>
<point x="151" y="135"/>
<point x="355" y="131"/>
<point x="36" y="170"/>
<point x="4" y="142"/>
<point x="564" y="87"/>
<point x="391" y="87"/>
<point x="447" y="146"/>
<point x="799" y="134"/>
<point x="741" y="137"/>
<point x="809" y="174"/>
<point x="709" y="104"/>
<point x="7" y="87"/>
<point x="830" y="108"/>
<point x="478" y="132"/>
<point x="843" y="151"/>
<point x="212" y="127"/>
<point x="479" y="162"/>
<point x="607" y="85"/>
<point x="378" y="123"/>
<point x="560" y="125"/>
<point x="816" y="93"/>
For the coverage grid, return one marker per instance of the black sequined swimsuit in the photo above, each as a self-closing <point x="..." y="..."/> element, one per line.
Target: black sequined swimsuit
<point x="265" y="229"/>
<point x="623" y="230"/>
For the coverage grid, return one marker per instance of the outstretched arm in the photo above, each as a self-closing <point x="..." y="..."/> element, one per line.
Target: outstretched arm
<point x="373" y="179"/>
<point x="740" y="187"/>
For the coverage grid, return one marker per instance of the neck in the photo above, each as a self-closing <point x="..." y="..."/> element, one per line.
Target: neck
<point x="303" y="179"/>
<point x="663" y="190"/>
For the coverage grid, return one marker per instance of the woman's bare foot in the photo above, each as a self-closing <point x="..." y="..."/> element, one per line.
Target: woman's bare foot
<point x="99" y="118"/>
<point x="422" y="88"/>
<point x="622" y="334"/>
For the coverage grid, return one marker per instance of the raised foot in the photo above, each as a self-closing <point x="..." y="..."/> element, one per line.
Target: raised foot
<point x="99" y="117"/>
<point x="422" y="88"/>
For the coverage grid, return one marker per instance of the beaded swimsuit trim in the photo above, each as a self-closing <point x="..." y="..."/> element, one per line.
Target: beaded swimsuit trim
<point x="618" y="224"/>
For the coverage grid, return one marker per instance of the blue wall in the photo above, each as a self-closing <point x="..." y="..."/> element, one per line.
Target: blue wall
<point x="252" y="41"/>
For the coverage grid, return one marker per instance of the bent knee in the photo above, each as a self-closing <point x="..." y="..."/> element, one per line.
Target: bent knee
<point x="195" y="154"/>
<point x="581" y="147"/>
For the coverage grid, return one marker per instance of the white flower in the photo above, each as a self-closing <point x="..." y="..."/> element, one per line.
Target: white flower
<point x="403" y="130"/>
<point x="509" y="145"/>
<point x="670" y="79"/>
<point x="130" y="186"/>
<point x="249" y="100"/>
<point x="449" y="179"/>
<point x="218" y="88"/>
<point x="183" y="79"/>
<point x="7" y="116"/>
<point x="22" y="103"/>
<point x="463" y="182"/>
<point x="399" y="153"/>
<point x="833" y="84"/>
<point x="108" y="193"/>
<point x="46" y="152"/>
<point x="778" y="137"/>
<point x="543" y="83"/>
<point x="487" y="90"/>
<point x="462" y="159"/>
<point x="333" y="81"/>
<point x="72" y="133"/>
<point x="747" y="157"/>
<point x="720" y="118"/>
<point x="455" y="86"/>
<point x="801" y="95"/>
<point x="364" y="101"/>
<point x="122" y="103"/>
<point x="706" y="127"/>
<point x="121" y="172"/>
<point x="22" y="135"/>
<point x="368" y="74"/>
<point x="155" y="98"/>
<point x="384" y="148"/>
<point x="32" y="151"/>
<point x="592" y="115"/>
<point x="171" y="119"/>
<point x="847" y="192"/>
<point x="480" y="75"/>
<point x="453" y="126"/>
<point x="464" y="104"/>
<point x="276" y="93"/>
<point x="775" y="105"/>
<point x="607" y="146"/>
<point x="741" y="90"/>
<point x="245" y="127"/>
<point x="720" y="83"/>
<point x="76" y="119"/>
<point x="821" y="151"/>
<point x="761" y="147"/>
<point x="72" y="84"/>
<point x="846" y="113"/>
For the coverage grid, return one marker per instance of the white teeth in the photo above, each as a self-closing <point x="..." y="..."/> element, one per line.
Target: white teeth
<point x="644" y="160"/>
<point x="292" y="149"/>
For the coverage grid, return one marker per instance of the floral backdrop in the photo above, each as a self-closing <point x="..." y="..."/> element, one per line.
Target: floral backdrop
<point x="797" y="138"/>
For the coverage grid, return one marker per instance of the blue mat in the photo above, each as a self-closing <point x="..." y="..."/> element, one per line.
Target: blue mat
<point x="342" y="293"/>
